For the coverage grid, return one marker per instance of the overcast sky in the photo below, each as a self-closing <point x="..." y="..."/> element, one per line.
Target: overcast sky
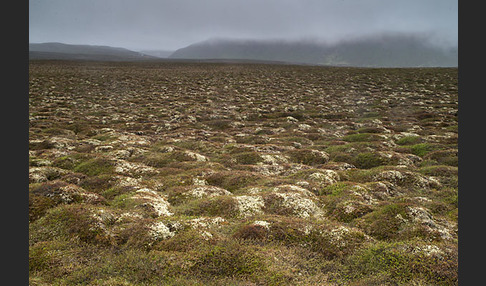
<point x="173" y="24"/>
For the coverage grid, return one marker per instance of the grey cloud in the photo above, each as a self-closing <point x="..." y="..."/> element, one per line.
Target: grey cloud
<point x="172" y="24"/>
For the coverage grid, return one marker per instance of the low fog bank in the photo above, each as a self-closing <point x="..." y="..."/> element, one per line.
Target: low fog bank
<point x="379" y="50"/>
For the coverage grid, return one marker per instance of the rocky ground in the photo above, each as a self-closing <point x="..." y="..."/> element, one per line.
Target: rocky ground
<point x="241" y="174"/>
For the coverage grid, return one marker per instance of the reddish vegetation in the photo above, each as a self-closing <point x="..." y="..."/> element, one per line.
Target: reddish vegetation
<point x="241" y="174"/>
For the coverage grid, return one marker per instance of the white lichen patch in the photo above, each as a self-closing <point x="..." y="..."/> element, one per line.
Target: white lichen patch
<point x="293" y="189"/>
<point x="401" y="218"/>
<point x="207" y="191"/>
<point x="320" y="154"/>
<point x="124" y="181"/>
<point x="291" y="119"/>
<point x="70" y="193"/>
<point x="196" y="156"/>
<point x="343" y="236"/>
<point x="135" y="169"/>
<point x="128" y="216"/>
<point x="159" y="230"/>
<point x="262" y="223"/>
<point x="91" y="141"/>
<point x="206" y="235"/>
<point x="268" y="170"/>
<point x="302" y="184"/>
<point x="199" y="182"/>
<point x="103" y="148"/>
<point x="384" y="189"/>
<point x="391" y="176"/>
<point x="153" y="199"/>
<point x="304" y="127"/>
<point x="249" y="205"/>
<point x="42" y="162"/>
<point x="421" y="181"/>
<point x="254" y="190"/>
<point x="166" y="149"/>
<point x="307" y="229"/>
<point x="363" y="194"/>
<point x="206" y="222"/>
<point x="429" y="250"/>
<point x="42" y="174"/>
<point x="348" y="207"/>
<point x="338" y="235"/>
<point x="103" y="218"/>
<point x="62" y="142"/>
<point x="91" y="198"/>
<point x="274" y="159"/>
<point x="131" y="140"/>
<point x="422" y="199"/>
<point x="423" y="216"/>
<point x="326" y="177"/>
<point x="294" y="168"/>
<point x="301" y="206"/>
<point x="120" y="154"/>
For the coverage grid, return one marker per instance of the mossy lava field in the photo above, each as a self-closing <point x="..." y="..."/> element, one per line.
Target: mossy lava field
<point x="187" y="173"/>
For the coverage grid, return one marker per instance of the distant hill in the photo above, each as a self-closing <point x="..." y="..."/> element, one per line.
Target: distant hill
<point x="376" y="51"/>
<point x="157" y="53"/>
<point x="83" y="52"/>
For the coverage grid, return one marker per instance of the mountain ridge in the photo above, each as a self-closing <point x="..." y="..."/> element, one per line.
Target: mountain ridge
<point x="372" y="51"/>
<point x="55" y="50"/>
<point x="397" y="50"/>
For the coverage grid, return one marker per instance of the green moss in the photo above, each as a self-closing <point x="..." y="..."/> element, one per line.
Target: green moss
<point x="123" y="201"/>
<point x="45" y="196"/>
<point x="229" y="258"/>
<point x="96" y="166"/>
<point x="308" y="157"/>
<point x="45" y="144"/>
<point x="408" y="140"/>
<point x="421" y="149"/>
<point x="391" y="264"/>
<point x="368" y="160"/>
<point x="233" y="180"/>
<point x="65" y="162"/>
<point x="252" y="232"/>
<point x="105" y="137"/>
<point x="160" y="160"/>
<point x="361" y="175"/>
<point x="48" y="259"/>
<point x="336" y="189"/>
<point x="69" y="222"/>
<point x="382" y="260"/>
<point x="361" y="137"/>
<point x="371" y="114"/>
<point x="439" y="170"/>
<point x="38" y="206"/>
<point x="247" y="158"/>
<point x="252" y="139"/>
<point x="385" y="222"/>
<point x="219" y="124"/>
<point x="77" y="243"/>
<point x="183" y="241"/>
<point x="97" y="183"/>
<point x="219" y="206"/>
<point x="131" y="266"/>
<point x="338" y="148"/>
<point x="444" y="157"/>
<point x="369" y="130"/>
<point x="114" y="192"/>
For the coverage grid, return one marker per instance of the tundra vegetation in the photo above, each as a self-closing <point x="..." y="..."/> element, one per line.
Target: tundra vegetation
<point x="180" y="173"/>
